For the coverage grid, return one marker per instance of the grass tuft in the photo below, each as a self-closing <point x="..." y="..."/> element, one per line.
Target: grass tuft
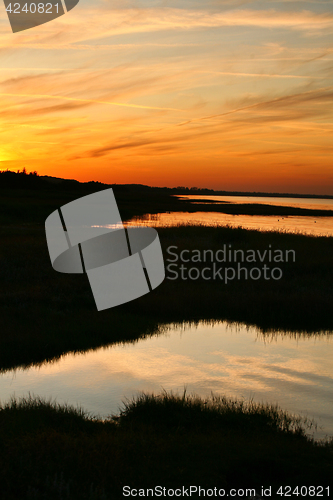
<point x="191" y="412"/>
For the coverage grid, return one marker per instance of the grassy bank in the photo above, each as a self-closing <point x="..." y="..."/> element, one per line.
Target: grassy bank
<point x="52" y="452"/>
<point x="45" y="313"/>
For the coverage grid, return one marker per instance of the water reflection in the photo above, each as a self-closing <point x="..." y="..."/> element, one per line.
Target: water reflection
<point x="237" y="361"/>
<point x="309" y="203"/>
<point x="320" y="226"/>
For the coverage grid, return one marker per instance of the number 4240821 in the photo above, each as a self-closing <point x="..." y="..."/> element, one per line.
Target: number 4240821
<point x="33" y="8"/>
<point x="303" y="491"/>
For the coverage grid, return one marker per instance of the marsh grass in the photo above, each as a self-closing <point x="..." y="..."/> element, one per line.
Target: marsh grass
<point x="192" y="412"/>
<point x="45" y="314"/>
<point x="48" y="451"/>
<point x="54" y="452"/>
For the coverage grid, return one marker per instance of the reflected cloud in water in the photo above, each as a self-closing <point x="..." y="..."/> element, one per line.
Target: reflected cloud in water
<point x="292" y="370"/>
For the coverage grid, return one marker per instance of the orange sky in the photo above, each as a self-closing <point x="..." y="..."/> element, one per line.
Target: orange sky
<point x="227" y="94"/>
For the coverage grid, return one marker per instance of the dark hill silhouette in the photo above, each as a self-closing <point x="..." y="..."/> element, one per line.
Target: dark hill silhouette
<point x="31" y="180"/>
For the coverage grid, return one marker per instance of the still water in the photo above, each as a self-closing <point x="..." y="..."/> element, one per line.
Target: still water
<point x="294" y="371"/>
<point x="319" y="226"/>
<point x="309" y="203"/>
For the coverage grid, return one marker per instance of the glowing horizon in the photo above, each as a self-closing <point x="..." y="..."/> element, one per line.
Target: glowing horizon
<point x="228" y="95"/>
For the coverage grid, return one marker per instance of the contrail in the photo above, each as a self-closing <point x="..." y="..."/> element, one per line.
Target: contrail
<point x="97" y="101"/>
<point x="255" y="105"/>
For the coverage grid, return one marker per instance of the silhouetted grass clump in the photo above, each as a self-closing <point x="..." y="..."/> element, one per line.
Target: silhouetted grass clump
<point x="54" y="452"/>
<point x="192" y="413"/>
<point x="33" y="413"/>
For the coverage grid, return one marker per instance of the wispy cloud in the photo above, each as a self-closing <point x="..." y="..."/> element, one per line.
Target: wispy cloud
<point x="319" y="96"/>
<point x="94" y="23"/>
<point x="261" y="75"/>
<point x="172" y="92"/>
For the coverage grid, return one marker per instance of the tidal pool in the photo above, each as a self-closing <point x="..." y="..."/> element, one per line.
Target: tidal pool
<point x="292" y="370"/>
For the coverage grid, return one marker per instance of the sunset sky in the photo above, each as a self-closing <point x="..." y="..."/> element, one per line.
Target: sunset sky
<point x="225" y="94"/>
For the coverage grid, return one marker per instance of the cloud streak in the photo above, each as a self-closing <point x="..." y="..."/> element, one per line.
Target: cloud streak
<point x="87" y="101"/>
<point x="320" y="96"/>
<point x="93" y="23"/>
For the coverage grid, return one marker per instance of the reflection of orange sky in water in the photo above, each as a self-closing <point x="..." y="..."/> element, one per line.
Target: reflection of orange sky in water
<point x="309" y="203"/>
<point x="319" y="226"/>
<point x="306" y="225"/>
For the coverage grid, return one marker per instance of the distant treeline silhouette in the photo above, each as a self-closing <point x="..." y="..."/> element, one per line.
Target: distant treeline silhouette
<point x="32" y="180"/>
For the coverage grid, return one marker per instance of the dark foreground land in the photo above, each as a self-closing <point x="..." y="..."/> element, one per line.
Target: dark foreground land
<point x="52" y="452"/>
<point x="47" y="452"/>
<point x="45" y="314"/>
